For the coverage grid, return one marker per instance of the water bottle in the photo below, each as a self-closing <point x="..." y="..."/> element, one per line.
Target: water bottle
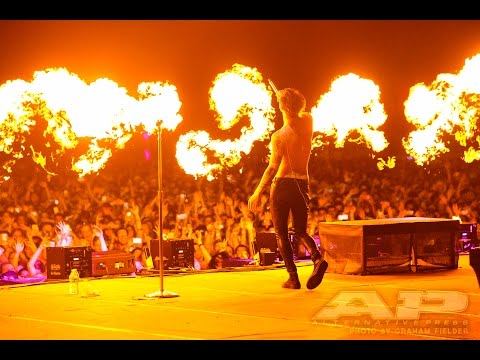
<point x="73" y="278"/>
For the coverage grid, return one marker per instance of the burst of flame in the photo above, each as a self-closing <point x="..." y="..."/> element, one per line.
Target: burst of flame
<point x="236" y="93"/>
<point x="448" y="108"/>
<point x="15" y="120"/>
<point x="72" y="109"/>
<point x="352" y="104"/>
<point x="390" y="163"/>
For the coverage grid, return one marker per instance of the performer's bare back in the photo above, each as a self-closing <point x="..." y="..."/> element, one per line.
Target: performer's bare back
<point x="291" y="145"/>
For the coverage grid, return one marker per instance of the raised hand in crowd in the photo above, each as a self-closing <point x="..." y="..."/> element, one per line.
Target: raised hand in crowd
<point x="7" y="221"/>
<point x="64" y="234"/>
<point x="3" y="256"/>
<point x="201" y="254"/>
<point x="198" y="201"/>
<point x="244" y="209"/>
<point x="229" y="206"/>
<point x="385" y="211"/>
<point x="101" y="244"/>
<point x="44" y="185"/>
<point x="187" y="231"/>
<point x="147" y="209"/>
<point x="37" y="263"/>
<point x="19" y="246"/>
<point x="30" y="246"/>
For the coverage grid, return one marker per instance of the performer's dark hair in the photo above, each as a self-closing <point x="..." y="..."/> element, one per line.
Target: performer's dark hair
<point x="291" y="101"/>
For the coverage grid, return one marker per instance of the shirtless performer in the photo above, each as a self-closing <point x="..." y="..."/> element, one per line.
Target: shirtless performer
<point x="289" y="190"/>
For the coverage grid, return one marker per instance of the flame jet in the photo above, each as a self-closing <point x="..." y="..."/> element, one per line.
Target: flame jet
<point x="352" y="104"/>
<point x="235" y="93"/>
<point x="445" y="115"/>
<point x="67" y="109"/>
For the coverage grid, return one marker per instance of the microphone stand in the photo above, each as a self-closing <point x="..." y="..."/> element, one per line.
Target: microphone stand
<point x="162" y="293"/>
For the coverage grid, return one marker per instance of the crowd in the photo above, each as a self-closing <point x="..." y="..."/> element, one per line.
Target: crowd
<point x="119" y="211"/>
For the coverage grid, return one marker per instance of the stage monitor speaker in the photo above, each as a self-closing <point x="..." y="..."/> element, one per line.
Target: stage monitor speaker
<point x="266" y="243"/>
<point x="61" y="261"/>
<point x="177" y="253"/>
<point x="112" y="262"/>
<point x="267" y="258"/>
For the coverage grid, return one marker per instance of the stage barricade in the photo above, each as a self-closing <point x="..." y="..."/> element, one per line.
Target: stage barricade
<point x="389" y="245"/>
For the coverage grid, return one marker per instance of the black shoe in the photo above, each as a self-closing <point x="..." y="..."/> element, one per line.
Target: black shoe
<point x="292" y="283"/>
<point x="316" y="278"/>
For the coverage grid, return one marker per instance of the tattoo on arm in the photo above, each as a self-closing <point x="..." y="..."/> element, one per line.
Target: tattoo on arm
<point x="273" y="165"/>
<point x="266" y="178"/>
<point x="276" y="153"/>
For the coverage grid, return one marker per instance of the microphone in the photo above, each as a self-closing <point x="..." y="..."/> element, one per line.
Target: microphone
<point x="272" y="85"/>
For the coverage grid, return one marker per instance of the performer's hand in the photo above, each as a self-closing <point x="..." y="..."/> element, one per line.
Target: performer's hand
<point x="253" y="202"/>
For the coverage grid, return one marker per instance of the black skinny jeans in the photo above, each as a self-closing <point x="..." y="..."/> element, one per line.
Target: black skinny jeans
<point x="291" y="194"/>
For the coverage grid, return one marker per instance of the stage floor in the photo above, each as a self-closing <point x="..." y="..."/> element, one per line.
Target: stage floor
<point x="242" y="304"/>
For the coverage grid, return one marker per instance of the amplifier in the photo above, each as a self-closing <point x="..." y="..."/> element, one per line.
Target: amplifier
<point x="112" y="262"/>
<point x="61" y="261"/>
<point x="177" y="253"/>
